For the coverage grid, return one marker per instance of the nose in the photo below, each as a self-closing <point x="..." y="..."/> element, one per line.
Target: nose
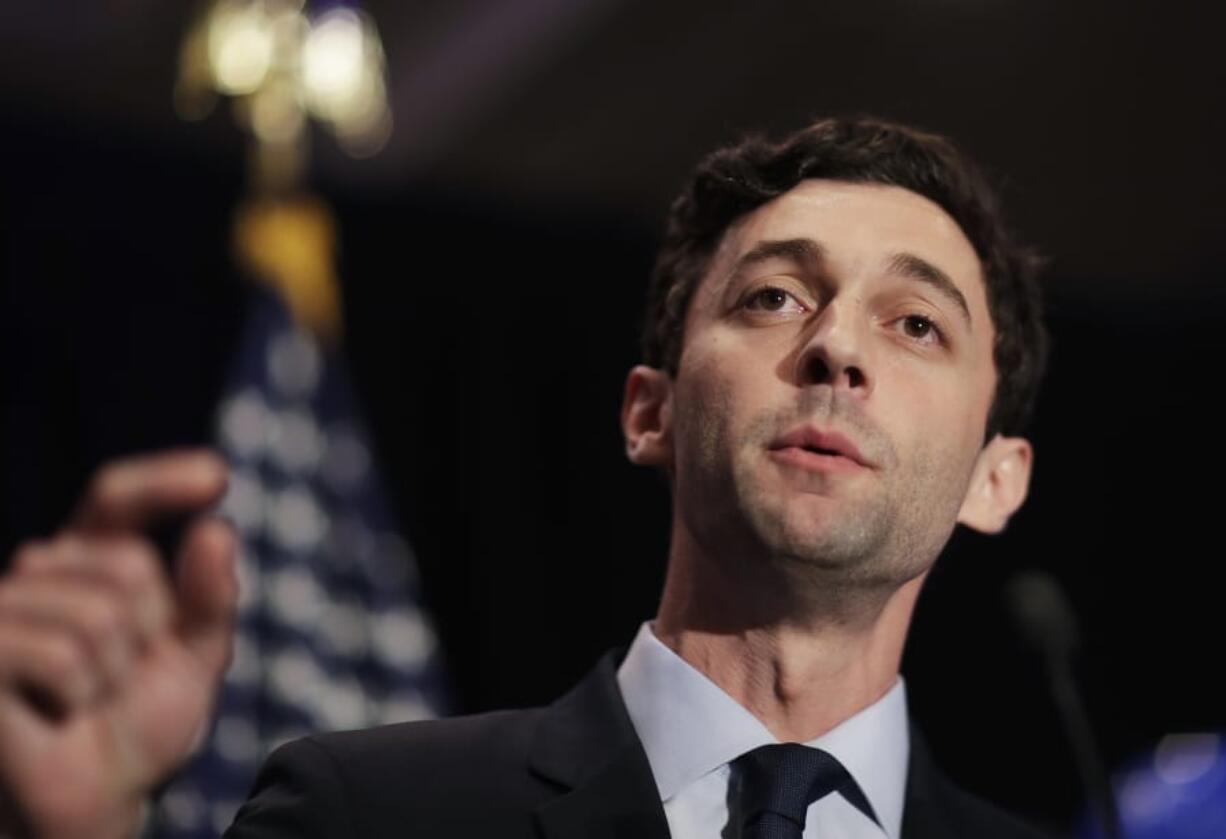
<point x="835" y="351"/>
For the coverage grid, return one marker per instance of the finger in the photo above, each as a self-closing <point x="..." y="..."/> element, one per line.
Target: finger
<point x="207" y="592"/>
<point x="131" y="493"/>
<point x="29" y="556"/>
<point x="127" y="565"/>
<point x="48" y="665"/>
<point x="98" y="618"/>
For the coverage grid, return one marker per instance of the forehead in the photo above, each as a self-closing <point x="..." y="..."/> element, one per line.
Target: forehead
<point x="859" y="227"/>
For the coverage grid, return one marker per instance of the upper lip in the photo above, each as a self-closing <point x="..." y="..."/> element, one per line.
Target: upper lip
<point x="815" y="439"/>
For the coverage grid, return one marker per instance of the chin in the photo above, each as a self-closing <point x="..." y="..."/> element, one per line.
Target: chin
<point x="826" y="536"/>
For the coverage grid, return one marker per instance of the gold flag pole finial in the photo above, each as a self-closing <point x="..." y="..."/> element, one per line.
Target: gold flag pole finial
<point x="280" y="66"/>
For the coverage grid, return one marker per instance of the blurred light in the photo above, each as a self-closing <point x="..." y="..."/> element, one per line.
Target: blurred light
<point x="1182" y="758"/>
<point x="366" y="138"/>
<point x="367" y="133"/>
<point x="276" y="114"/>
<point x="1177" y="792"/>
<point x="279" y="67"/>
<point x="342" y="80"/>
<point x="289" y="30"/>
<point x="334" y="63"/>
<point x="240" y="46"/>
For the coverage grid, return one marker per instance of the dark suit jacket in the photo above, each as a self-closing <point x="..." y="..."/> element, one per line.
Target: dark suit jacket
<point x="572" y="770"/>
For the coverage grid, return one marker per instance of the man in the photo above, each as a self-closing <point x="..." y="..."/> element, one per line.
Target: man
<point x="841" y="347"/>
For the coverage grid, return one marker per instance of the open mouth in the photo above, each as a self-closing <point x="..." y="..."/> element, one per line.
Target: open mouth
<point x="821" y="450"/>
<point x="813" y="448"/>
<point x="815" y="458"/>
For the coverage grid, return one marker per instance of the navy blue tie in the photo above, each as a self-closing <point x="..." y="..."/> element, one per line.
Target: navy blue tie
<point x="780" y="781"/>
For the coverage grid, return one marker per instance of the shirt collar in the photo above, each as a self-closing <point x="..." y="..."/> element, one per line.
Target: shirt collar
<point x="690" y="727"/>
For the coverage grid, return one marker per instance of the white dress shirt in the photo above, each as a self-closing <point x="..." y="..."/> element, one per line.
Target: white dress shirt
<point x="692" y="730"/>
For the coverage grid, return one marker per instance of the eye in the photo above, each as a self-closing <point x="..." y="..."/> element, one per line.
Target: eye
<point x="921" y="328"/>
<point x="772" y="299"/>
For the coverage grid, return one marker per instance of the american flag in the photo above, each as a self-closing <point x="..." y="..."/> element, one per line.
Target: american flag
<point x="331" y="634"/>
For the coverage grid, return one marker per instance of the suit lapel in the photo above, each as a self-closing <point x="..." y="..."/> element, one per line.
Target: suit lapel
<point x="616" y="802"/>
<point x="587" y="745"/>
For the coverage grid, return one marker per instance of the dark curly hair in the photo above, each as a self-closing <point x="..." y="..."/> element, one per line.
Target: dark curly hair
<point x="735" y="180"/>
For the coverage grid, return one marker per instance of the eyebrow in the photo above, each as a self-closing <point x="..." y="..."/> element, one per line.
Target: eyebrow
<point x="801" y="251"/>
<point x="912" y="267"/>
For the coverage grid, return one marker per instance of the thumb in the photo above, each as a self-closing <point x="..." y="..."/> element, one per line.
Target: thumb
<point x="206" y="589"/>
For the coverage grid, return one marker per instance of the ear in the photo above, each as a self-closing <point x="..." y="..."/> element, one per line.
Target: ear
<point x="647" y="416"/>
<point x="998" y="485"/>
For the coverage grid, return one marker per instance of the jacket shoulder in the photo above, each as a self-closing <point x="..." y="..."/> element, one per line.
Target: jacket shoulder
<point x="374" y="782"/>
<point x="496" y="740"/>
<point x="937" y="808"/>
<point x="976" y="817"/>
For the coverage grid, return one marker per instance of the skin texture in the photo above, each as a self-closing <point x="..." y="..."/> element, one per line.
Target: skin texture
<point x="792" y="585"/>
<point x="107" y="667"/>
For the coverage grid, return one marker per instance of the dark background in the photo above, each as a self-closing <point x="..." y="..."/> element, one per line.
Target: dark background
<point x="494" y="260"/>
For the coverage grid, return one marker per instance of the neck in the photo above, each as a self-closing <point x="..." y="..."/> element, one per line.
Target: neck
<point x="800" y="658"/>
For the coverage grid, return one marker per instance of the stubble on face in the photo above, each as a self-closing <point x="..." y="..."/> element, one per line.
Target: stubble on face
<point x="826" y="534"/>
<point x="739" y="386"/>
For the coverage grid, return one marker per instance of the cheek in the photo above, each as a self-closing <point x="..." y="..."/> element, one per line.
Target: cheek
<point x="717" y="394"/>
<point x="948" y="399"/>
<point x="928" y="490"/>
<point x="702" y="411"/>
<point x="940" y="422"/>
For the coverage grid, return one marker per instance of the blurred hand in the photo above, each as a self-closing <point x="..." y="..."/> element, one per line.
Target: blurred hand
<point x="108" y="669"/>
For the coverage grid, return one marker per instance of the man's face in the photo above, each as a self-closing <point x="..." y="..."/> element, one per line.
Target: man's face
<point x="834" y="384"/>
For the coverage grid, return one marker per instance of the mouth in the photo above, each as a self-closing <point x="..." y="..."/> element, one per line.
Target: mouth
<point x="812" y="448"/>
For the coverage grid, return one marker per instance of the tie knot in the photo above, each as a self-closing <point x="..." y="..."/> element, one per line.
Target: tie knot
<point x="785" y="778"/>
<point x="778" y="783"/>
